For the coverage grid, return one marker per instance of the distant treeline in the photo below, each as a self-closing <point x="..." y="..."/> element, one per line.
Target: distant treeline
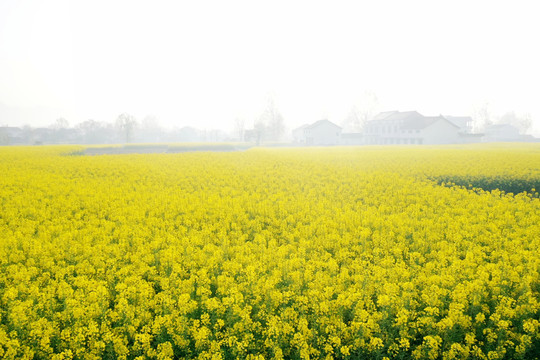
<point x="94" y="132"/>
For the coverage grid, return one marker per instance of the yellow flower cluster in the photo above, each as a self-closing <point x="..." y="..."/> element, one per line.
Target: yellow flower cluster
<point x="335" y="253"/>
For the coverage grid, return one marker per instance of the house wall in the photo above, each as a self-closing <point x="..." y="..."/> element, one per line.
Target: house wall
<point x="391" y="133"/>
<point x="471" y="139"/>
<point x="298" y="136"/>
<point x="323" y="134"/>
<point x="405" y="137"/>
<point x="440" y="132"/>
<point x="395" y="137"/>
<point x="352" y="140"/>
<point x="502" y="133"/>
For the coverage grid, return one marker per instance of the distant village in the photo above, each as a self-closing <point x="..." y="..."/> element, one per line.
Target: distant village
<point x="385" y="128"/>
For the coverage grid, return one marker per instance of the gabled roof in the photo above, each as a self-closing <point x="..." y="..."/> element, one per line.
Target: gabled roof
<point x="460" y="121"/>
<point x="397" y="115"/>
<point x="423" y="122"/>
<point x="418" y="123"/>
<point x="384" y="115"/>
<point x="320" y="122"/>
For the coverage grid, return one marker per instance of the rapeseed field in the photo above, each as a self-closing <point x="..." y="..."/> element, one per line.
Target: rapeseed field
<point x="321" y="253"/>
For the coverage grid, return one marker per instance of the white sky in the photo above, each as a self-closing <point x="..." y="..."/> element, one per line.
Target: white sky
<point x="204" y="63"/>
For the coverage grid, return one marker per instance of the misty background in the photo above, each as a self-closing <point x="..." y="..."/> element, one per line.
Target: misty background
<point x="216" y="67"/>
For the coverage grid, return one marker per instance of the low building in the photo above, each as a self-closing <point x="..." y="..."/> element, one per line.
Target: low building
<point x="322" y="132"/>
<point x="502" y="132"/>
<point x="411" y="127"/>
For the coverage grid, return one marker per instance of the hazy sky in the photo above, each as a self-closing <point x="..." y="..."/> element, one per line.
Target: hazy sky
<point x="204" y="63"/>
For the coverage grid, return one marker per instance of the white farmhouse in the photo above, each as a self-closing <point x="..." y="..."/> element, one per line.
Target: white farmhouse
<point x="411" y="127"/>
<point x="502" y="132"/>
<point x="322" y="132"/>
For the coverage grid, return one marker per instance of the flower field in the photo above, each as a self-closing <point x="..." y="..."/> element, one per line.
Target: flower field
<point x="300" y="253"/>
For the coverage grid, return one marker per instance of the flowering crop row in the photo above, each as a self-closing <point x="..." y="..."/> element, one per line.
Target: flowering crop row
<point x="334" y="253"/>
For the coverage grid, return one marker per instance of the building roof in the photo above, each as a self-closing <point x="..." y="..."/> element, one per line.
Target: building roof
<point x="321" y="122"/>
<point x="384" y="115"/>
<point x="418" y="123"/>
<point x="423" y="122"/>
<point x="410" y="120"/>
<point x="461" y="121"/>
<point x="397" y="115"/>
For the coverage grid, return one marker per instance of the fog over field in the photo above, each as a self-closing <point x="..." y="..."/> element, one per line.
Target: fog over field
<point x="213" y="64"/>
<point x="256" y="180"/>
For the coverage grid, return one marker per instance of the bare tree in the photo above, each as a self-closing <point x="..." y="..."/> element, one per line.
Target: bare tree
<point x="365" y="108"/>
<point x="353" y="122"/>
<point x="259" y="130"/>
<point x="525" y="123"/>
<point x="240" y="128"/>
<point x="126" y="124"/>
<point x="59" y="130"/>
<point x="60" y="123"/>
<point x="271" y="124"/>
<point x="482" y="117"/>
<point x="522" y="122"/>
<point x="93" y="131"/>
